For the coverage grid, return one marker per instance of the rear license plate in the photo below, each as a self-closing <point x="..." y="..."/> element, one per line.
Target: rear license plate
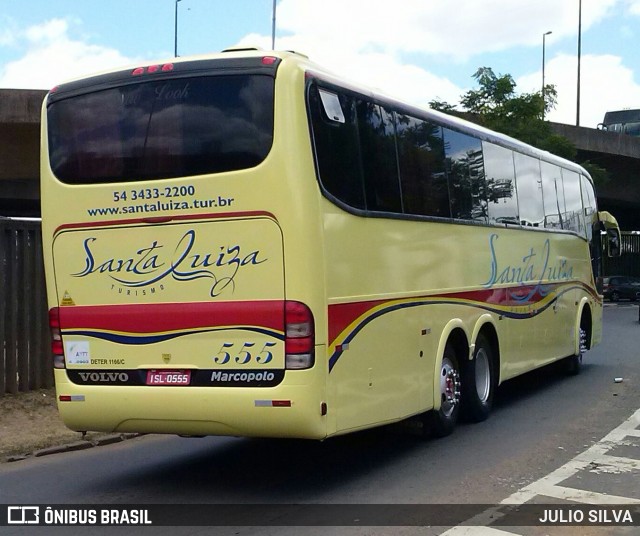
<point x="168" y="377"/>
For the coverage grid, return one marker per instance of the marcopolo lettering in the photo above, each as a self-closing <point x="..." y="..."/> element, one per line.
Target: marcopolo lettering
<point x="248" y="377"/>
<point x="240" y="378"/>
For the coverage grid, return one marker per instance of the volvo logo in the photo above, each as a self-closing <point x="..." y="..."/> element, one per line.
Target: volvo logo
<point x="104" y="377"/>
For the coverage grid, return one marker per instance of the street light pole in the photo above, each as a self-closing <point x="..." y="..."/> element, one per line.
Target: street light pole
<point x="544" y="45"/>
<point x="175" y="32"/>
<point x="273" y="27"/>
<point x="579" y="54"/>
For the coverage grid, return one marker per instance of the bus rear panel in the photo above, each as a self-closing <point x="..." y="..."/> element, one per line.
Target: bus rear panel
<point x="166" y="255"/>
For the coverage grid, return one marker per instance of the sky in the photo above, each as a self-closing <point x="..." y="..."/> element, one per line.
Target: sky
<point x="415" y="50"/>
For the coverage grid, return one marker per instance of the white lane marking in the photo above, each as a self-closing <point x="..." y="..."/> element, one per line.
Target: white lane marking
<point x="593" y="458"/>
<point x="477" y="531"/>
<point x="584" y="496"/>
<point x="548" y="485"/>
<point x="613" y="464"/>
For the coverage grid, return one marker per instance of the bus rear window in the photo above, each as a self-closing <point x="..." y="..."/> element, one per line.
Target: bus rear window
<point x="162" y="129"/>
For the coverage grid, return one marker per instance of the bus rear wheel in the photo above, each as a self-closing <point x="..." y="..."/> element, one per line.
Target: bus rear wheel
<point x="441" y="422"/>
<point x="479" y="382"/>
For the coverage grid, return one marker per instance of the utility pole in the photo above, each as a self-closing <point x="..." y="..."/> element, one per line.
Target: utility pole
<point x="579" y="54"/>
<point x="175" y="32"/>
<point x="544" y="36"/>
<point x="273" y="27"/>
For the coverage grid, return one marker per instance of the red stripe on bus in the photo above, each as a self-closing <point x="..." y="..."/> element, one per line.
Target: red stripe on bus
<point x="161" y="317"/>
<point x="343" y="314"/>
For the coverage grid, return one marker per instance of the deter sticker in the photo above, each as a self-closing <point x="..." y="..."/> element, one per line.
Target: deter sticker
<point x="78" y="353"/>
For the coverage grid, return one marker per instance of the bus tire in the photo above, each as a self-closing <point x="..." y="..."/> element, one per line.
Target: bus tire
<point x="441" y="422"/>
<point x="479" y="382"/>
<point x="573" y="363"/>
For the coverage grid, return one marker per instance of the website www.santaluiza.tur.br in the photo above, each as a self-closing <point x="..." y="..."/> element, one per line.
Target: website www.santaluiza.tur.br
<point x="160" y="206"/>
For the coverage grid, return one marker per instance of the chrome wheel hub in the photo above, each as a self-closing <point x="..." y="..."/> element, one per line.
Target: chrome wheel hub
<point x="449" y="387"/>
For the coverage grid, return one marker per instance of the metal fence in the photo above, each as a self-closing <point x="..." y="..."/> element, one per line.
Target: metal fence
<point x="25" y="361"/>
<point x="629" y="262"/>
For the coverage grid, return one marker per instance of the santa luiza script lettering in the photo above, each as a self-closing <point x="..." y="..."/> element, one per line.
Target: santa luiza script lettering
<point x="148" y="266"/>
<point x="532" y="269"/>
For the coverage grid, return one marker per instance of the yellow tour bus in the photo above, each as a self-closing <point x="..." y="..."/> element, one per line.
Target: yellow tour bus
<point x="244" y="244"/>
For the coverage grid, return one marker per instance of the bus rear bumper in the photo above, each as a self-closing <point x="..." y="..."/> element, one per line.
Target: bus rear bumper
<point x="282" y="411"/>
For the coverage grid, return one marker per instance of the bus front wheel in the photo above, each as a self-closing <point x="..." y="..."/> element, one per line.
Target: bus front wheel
<point x="573" y="364"/>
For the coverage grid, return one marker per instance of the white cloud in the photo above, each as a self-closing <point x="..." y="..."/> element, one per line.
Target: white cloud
<point x="53" y="57"/>
<point x="348" y="36"/>
<point x="8" y="32"/>
<point x="456" y="29"/>
<point x="378" y="70"/>
<point x="633" y="7"/>
<point x="50" y="31"/>
<point x="605" y="84"/>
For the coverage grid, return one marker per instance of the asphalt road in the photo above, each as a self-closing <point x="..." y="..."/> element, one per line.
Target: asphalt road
<point x="541" y="422"/>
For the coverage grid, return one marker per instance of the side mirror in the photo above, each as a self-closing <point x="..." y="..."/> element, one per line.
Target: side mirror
<point x="613" y="242"/>
<point x="610" y="225"/>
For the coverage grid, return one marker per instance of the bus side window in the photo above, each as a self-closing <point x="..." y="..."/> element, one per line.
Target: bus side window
<point x="529" y="187"/>
<point x="378" y="153"/>
<point x="465" y="171"/>
<point x="574" y="215"/>
<point x="501" y="184"/>
<point x="552" y="195"/>
<point x="589" y="204"/>
<point x="421" y="164"/>
<point x="337" y="147"/>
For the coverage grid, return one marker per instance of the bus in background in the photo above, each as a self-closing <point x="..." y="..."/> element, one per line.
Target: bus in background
<point x="244" y="244"/>
<point x="622" y="122"/>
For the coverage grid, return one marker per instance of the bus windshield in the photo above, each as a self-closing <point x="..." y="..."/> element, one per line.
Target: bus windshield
<point x="162" y="129"/>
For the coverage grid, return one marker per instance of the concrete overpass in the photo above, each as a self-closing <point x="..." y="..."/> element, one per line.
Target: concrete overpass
<point x="20" y="140"/>
<point x="620" y="155"/>
<point x="20" y="151"/>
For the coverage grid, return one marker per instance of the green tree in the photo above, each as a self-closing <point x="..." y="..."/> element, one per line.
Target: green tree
<point x="496" y="105"/>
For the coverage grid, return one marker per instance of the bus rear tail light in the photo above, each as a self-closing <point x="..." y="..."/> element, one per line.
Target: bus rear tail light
<point x="152" y="69"/>
<point x="299" y="343"/>
<point x="56" y="338"/>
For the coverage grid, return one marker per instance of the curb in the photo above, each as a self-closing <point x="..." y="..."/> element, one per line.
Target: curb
<point x="74" y="446"/>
